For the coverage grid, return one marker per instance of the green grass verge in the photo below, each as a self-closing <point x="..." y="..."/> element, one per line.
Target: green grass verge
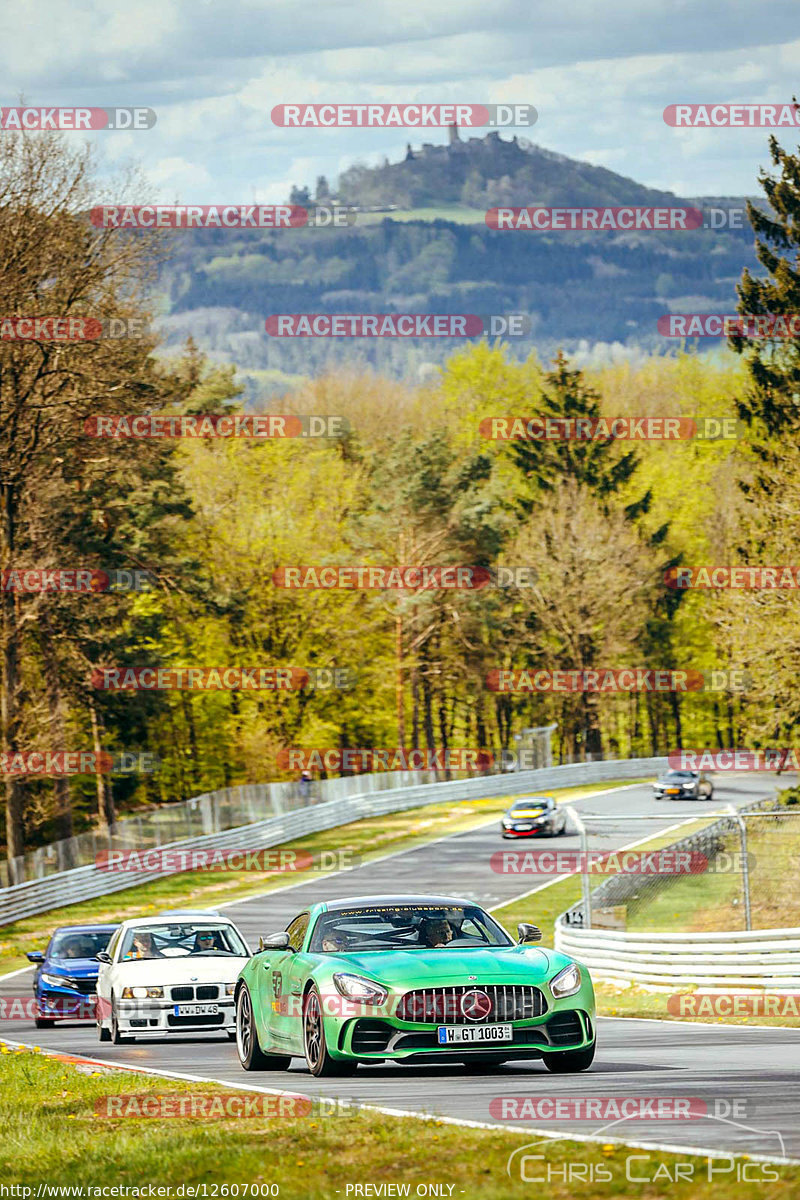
<point x="52" y="1135"/>
<point x="697" y="903"/>
<point x="368" y="839"/>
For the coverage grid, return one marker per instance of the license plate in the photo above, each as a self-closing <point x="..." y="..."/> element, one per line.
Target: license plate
<point x="448" y="1034"/>
<point x="523" y="827"/>
<point x="673" y="791"/>
<point x="196" y="1010"/>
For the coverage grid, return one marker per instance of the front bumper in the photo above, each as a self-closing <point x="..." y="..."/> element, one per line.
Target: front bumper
<point x="373" y="1038"/>
<point x="537" y="831"/>
<point x="158" y="1017"/>
<point x="65" y="1004"/>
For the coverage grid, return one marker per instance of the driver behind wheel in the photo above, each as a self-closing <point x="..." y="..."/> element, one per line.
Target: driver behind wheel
<point x="435" y="933"/>
<point x="334" y="943"/>
<point x="205" y="940"/>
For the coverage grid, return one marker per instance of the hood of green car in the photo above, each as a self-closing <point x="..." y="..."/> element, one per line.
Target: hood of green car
<point x="407" y="969"/>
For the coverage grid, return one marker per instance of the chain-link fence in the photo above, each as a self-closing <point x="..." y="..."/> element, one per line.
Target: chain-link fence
<point x="734" y="869"/>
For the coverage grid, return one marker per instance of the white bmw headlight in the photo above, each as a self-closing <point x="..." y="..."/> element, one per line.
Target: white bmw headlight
<point x="355" y="987"/>
<point x="566" y="982"/>
<point x="143" y="993"/>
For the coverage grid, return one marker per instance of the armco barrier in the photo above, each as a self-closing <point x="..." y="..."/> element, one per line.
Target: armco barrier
<point x="86" y="883"/>
<point x="762" y="958"/>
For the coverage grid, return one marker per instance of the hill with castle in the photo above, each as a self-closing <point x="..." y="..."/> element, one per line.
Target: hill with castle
<point x="420" y="245"/>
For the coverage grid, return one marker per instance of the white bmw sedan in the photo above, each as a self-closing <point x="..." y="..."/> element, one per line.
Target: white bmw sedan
<point x="174" y="973"/>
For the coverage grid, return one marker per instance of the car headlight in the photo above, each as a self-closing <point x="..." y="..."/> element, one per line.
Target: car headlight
<point x="355" y="987"/>
<point x="143" y="993"/>
<point x="230" y="988"/>
<point x="57" y="981"/>
<point x="566" y="982"/>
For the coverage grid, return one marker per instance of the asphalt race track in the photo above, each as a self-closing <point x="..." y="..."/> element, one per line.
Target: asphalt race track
<point x="717" y="1063"/>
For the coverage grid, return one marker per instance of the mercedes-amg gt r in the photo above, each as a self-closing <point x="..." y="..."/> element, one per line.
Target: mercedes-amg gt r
<point x="410" y="978"/>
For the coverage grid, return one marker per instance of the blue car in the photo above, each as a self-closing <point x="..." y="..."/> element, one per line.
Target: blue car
<point x="65" y="981"/>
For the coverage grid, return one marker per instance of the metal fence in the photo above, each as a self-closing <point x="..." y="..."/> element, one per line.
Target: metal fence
<point x="369" y="795"/>
<point x="745" y="876"/>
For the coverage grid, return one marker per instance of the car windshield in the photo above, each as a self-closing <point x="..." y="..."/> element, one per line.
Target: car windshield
<point x="73" y="943"/>
<point x="182" y="938"/>
<point x="366" y="928"/>
<point x="679" y="776"/>
<point x="526" y="805"/>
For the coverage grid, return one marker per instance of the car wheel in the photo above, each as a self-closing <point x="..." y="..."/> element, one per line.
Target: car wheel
<point x="117" y="1038"/>
<point x="103" y="1034"/>
<point x="570" y="1061"/>
<point x="251" y="1056"/>
<point x="43" y="1023"/>
<point x="316" y="1047"/>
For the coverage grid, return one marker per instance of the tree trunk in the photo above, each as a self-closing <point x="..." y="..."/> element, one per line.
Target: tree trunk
<point x="398" y="648"/>
<point x="106" y="812"/>
<point x="10" y="713"/>
<point x="62" y="796"/>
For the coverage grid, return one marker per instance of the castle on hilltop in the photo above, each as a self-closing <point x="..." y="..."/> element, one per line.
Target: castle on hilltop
<point x="454" y="145"/>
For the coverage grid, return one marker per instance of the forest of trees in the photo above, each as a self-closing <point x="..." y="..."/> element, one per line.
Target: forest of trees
<point x="412" y="481"/>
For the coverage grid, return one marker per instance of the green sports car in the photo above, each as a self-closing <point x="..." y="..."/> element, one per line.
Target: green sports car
<point x="411" y="979"/>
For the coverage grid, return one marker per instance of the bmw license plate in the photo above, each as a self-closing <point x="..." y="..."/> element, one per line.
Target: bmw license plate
<point x="196" y="1010"/>
<point x="449" y="1034"/>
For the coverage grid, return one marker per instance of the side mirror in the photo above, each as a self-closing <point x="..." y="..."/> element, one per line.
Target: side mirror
<point x="103" y="957"/>
<point x="528" y="933"/>
<point x="35" y="956"/>
<point x="274" y="941"/>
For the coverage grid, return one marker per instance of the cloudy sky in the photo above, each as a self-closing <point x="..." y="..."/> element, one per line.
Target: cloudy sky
<point x="599" y="74"/>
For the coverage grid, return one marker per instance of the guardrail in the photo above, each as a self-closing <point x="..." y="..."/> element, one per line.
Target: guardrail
<point x="376" y="797"/>
<point x="761" y="958"/>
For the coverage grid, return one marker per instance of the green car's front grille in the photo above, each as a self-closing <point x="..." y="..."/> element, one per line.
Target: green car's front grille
<point x="509" y="1002"/>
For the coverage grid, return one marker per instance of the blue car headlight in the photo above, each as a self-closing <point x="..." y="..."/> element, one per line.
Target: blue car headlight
<point x="355" y="987"/>
<point x="566" y="982"/>
<point x="57" y="981"/>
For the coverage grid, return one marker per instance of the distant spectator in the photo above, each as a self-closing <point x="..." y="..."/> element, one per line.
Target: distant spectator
<point x="305" y="786"/>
